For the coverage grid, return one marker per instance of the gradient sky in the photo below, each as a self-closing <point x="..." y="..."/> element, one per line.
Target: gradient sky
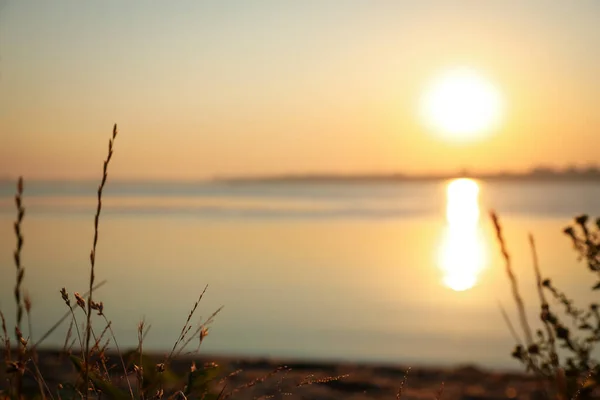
<point x="202" y="89"/>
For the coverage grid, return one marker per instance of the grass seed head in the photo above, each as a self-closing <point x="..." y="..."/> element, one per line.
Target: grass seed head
<point x="80" y="300"/>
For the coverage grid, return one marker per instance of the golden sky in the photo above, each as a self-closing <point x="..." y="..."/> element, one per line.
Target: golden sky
<point x="202" y="89"/>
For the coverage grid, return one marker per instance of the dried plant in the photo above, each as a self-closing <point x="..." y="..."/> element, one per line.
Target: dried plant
<point x="402" y="384"/>
<point x="572" y="370"/>
<point x="88" y="330"/>
<point x="17" y="254"/>
<point x="96" y="376"/>
<point x="21" y="342"/>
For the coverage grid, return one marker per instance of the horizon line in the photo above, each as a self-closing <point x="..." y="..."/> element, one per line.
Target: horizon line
<point x="541" y="173"/>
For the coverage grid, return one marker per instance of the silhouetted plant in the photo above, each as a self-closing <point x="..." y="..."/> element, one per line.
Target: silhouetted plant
<point x="561" y="352"/>
<point x="97" y="374"/>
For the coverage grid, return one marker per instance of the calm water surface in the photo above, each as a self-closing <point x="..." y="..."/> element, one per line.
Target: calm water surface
<point x="405" y="272"/>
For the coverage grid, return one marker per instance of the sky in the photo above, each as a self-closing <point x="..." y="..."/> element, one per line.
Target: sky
<point x="205" y="89"/>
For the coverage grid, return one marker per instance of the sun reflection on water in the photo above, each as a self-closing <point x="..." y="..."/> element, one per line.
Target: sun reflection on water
<point x="463" y="254"/>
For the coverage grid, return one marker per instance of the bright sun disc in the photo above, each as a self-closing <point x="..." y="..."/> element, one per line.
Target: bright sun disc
<point x="461" y="105"/>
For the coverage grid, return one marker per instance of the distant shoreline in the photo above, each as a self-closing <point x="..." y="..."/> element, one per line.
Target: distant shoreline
<point x="550" y="177"/>
<point x="391" y="178"/>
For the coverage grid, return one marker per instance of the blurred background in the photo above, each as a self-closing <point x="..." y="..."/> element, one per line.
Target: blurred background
<point x="327" y="168"/>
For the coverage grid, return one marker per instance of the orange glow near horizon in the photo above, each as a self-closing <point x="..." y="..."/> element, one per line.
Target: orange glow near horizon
<point x="268" y="96"/>
<point x="463" y="254"/>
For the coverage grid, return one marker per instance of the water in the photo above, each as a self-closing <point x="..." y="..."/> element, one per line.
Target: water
<point x="363" y="272"/>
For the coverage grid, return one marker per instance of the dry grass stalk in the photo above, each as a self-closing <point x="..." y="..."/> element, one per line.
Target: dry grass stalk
<point x="583" y="382"/>
<point x="6" y="339"/>
<point x="65" y="296"/>
<point x="98" y="340"/>
<point x="511" y="328"/>
<point x="319" y="380"/>
<point x="88" y="331"/>
<point x="259" y="380"/>
<point x="201" y="333"/>
<point x="99" y="349"/>
<point x="119" y="353"/>
<point x="63" y="318"/>
<point x="19" y="282"/>
<point x="186" y="327"/>
<point x="7" y="346"/>
<point x="17" y="253"/>
<point x="544" y="302"/>
<point x="34" y="359"/>
<point x="229" y="376"/>
<point x="67" y="338"/>
<point x="139" y="369"/>
<point x="513" y="280"/>
<point x="402" y="383"/>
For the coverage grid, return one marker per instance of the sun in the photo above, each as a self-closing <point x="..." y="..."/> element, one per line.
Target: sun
<point x="461" y="105"/>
